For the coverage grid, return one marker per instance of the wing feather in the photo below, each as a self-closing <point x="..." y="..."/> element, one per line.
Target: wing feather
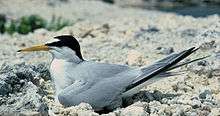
<point x="159" y="67"/>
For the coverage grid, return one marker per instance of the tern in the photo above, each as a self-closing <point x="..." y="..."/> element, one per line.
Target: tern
<point x="101" y="85"/>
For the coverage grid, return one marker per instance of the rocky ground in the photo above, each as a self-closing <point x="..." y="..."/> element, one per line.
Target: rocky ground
<point x="111" y="34"/>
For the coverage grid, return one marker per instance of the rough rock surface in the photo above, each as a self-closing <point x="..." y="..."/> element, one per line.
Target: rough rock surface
<point x="20" y="89"/>
<point x="108" y="34"/>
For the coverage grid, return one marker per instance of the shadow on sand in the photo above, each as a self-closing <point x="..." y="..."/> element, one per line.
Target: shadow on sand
<point x="143" y="96"/>
<point x="146" y="96"/>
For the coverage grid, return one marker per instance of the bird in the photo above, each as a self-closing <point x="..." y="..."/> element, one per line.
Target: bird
<point x="102" y="85"/>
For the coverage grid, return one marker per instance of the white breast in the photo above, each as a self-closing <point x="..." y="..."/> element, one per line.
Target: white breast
<point x="58" y="72"/>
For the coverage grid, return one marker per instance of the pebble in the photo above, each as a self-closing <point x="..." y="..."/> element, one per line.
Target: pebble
<point x="165" y="51"/>
<point x="215" y="111"/>
<point x="30" y="114"/>
<point x="133" y="111"/>
<point x="205" y="94"/>
<point x="134" y="58"/>
<point x="196" y="103"/>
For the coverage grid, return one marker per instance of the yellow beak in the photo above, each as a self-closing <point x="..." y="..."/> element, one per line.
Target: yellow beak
<point x="35" y="48"/>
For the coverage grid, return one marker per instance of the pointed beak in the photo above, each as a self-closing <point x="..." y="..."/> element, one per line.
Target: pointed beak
<point x="35" y="48"/>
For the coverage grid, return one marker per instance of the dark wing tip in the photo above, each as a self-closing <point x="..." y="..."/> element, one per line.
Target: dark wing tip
<point x="195" y="49"/>
<point x="192" y="49"/>
<point x="169" y="64"/>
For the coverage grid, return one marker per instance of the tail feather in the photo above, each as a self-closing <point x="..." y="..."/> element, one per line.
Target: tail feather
<point x="161" y="66"/>
<point x="185" y="63"/>
<point x="168" y="74"/>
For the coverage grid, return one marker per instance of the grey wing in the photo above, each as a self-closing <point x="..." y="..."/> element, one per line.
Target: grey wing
<point x="109" y="70"/>
<point x="100" y="70"/>
<point x="99" y="92"/>
<point x="159" y="67"/>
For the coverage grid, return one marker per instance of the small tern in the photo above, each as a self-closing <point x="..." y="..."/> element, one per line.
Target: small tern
<point x="101" y="85"/>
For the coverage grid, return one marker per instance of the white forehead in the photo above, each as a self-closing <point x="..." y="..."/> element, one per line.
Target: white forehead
<point x="52" y="40"/>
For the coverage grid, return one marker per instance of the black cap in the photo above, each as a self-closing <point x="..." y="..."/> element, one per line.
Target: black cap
<point x="67" y="41"/>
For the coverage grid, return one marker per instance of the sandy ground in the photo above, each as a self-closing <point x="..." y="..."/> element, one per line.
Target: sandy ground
<point x="111" y="34"/>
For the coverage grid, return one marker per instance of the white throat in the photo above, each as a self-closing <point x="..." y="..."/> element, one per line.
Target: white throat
<point x="66" y="54"/>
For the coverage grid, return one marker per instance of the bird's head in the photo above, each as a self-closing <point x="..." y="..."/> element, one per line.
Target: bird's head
<point x="61" y="47"/>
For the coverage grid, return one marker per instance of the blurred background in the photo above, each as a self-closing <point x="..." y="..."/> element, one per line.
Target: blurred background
<point x="195" y="8"/>
<point x="59" y="16"/>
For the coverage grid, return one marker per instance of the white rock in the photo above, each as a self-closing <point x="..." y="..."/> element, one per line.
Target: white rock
<point x="41" y="31"/>
<point x="134" y="57"/>
<point x="133" y="111"/>
<point x="30" y="114"/>
<point x="205" y="93"/>
<point x="215" y="112"/>
<point x="196" y="103"/>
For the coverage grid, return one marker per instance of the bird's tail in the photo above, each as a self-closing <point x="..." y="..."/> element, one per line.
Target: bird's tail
<point x="169" y="71"/>
<point x="187" y="62"/>
<point x="160" y="69"/>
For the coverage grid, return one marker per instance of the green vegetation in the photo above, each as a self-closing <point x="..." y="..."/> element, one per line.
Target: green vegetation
<point x="30" y="23"/>
<point x="27" y="24"/>
<point x="2" y="23"/>
<point x="109" y="1"/>
<point x="57" y="23"/>
<point x="11" y="27"/>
